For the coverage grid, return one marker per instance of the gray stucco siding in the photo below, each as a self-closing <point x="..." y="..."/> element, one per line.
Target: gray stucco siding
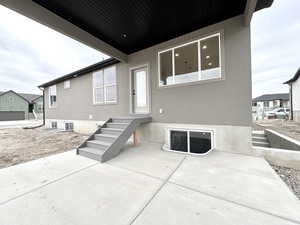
<point x="76" y="102"/>
<point x="223" y="102"/>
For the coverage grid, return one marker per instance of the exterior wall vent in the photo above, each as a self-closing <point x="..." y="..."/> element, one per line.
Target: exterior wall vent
<point x="54" y="124"/>
<point x="69" y="126"/>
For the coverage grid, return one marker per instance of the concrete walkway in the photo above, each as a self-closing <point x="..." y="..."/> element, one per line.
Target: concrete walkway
<point x="146" y="186"/>
<point x="19" y="123"/>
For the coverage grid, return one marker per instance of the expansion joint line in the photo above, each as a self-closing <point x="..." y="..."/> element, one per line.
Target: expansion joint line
<point x="157" y="191"/>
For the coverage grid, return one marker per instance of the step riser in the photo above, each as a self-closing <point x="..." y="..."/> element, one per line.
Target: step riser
<point x="118" y="126"/>
<point x="259" y="139"/>
<point x="94" y="145"/>
<point x="90" y="155"/>
<point x="261" y="144"/>
<point x="258" y="135"/>
<point x="105" y="139"/>
<point x="117" y="133"/>
<point x="121" y="120"/>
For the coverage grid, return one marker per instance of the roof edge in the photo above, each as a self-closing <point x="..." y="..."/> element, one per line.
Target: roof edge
<point x="294" y="78"/>
<point x="263" y="4"/>
<point x="15" y="94"/>
<point x="81" y="72"/>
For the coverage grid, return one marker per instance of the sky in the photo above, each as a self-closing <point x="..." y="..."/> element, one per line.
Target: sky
<point x="275" y="43"/>
<point x="32" y="54"/>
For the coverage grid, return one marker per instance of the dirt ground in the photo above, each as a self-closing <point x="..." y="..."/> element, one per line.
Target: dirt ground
<point x="291" y="177"/>
<point x="21" y="145"/>
<point x="286" y="127"/>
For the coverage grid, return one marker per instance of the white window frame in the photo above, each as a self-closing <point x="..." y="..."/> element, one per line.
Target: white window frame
<point x="49" y="95"/>
<point x="220" y="36"/>
<point x="67" y="84"/>
<point x="212" y="133"/>
<point x="104" y="87"/>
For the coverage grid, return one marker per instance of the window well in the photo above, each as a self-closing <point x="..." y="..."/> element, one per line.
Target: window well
<point x="191" y="141"/>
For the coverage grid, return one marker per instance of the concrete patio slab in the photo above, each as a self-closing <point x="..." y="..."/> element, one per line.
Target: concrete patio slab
<point x="101" y="194"/>
<point x="175" y="205"/>
<point x="245" y="180"/>
<point x="147" y="159"/>
<point x="19" y="179"/>
<point x="145" y="185"/>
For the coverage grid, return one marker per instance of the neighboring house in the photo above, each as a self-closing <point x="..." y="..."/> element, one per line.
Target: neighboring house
<point x="294" y="84"/>
<point x="271" y="101"/>
<point x="187" y="66"/>
<point x="19" y="106"/>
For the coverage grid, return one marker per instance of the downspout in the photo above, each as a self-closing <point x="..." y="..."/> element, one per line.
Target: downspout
<point x="44" y="116"/>
<point x="291" y="102"/>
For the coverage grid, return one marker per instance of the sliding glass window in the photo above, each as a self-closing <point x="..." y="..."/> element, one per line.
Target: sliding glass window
<point x="194" y="61"/>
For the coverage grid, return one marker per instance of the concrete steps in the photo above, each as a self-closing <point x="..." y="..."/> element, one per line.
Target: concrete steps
<point x="105" y="137"/>
<point x="108" y="140"/>
<point x="91" y="153"/>
<point x="260" y="139"/>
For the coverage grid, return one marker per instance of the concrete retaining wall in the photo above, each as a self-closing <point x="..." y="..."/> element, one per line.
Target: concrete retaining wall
<point x="297" y="116"/>
<point x="281" y="141"/>
<point x="280" y="157"/>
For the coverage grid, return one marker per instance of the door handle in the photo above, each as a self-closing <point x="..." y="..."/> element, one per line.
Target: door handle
<point x="133" y="92"/>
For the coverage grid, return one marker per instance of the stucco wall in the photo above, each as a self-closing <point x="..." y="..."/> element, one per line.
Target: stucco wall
<point x="296" y="100"/>
<point x="224" y="102"/>
<point x="12" y="102"/>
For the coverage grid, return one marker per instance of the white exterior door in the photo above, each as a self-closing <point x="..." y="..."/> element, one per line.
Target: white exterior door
<point x="140" y="91"/>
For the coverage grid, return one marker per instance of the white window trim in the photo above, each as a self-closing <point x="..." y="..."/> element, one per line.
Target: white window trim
<point x="211" y="131"/>
<point x="65" y="82"/>
<point x="49" y="97"/>
<point x="105" y="102"/>
<point x="221" y="63"/>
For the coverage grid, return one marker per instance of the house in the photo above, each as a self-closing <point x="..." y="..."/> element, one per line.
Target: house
<point x="271" y="101"/>
<point x="20" y="106"/>
<point x="294" y="84"/>
<point x="187" y="67"/>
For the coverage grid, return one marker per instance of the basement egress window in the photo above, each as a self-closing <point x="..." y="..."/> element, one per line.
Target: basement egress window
<point x="194" y="61"/>
<point x="190" y="141"/>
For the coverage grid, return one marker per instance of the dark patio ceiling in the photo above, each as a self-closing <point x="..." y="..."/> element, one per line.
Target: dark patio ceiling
<point x="132" y="25"/>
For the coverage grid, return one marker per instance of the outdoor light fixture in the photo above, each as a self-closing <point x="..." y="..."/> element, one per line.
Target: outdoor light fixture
<point x="209" y="63"/>
<point x="124" y="35"/>
<point x="207" y="57"/>
<point x="177" y="54"/>
<point x="204" y="47"/>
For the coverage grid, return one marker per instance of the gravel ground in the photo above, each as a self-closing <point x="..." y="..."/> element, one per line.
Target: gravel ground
<point x="289" y="128"/>
<point x="21" y="145"/>
<point x="291" y="177"/>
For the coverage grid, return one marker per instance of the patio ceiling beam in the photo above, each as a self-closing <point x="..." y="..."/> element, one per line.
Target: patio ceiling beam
<point x="32" y="10"/>
<point x="249" y="10"/>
